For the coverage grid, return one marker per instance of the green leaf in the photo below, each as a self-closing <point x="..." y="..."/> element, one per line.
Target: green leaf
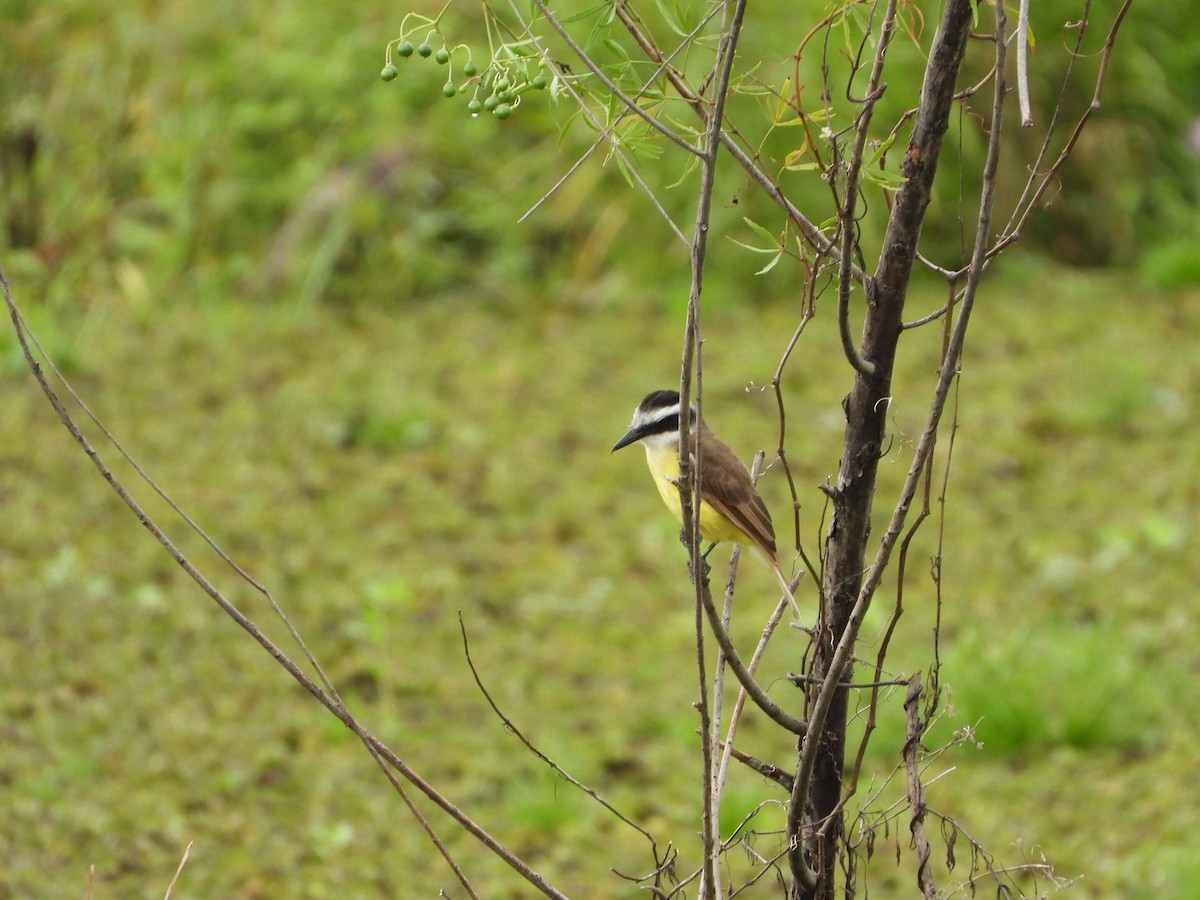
<point x="624" y="169"/>
<point x="566" y="126"/>
<point x="693" y="163"/>
<point x="775" y="250"/>
<point x="761" y="232"/>
<point x="752" y="248"/>
<point x="783" y="109"/>
<point x="671" y="17"/>
<point x="792" y="160"/>
<point x="772" y="264"/>
<point x="608" y="10"/>
<point x="614" y="46"/>
<point x="883" y="148"/>
<point x="889" y="181"/>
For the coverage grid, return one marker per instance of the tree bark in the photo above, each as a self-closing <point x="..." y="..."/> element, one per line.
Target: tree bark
<point x="866" y="408"/>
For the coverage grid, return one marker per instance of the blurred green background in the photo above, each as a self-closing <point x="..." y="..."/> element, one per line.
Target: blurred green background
<point x="300" y="297"/>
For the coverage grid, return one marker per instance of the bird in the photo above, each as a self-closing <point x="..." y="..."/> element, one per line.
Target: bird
<point x="730" y="508"/>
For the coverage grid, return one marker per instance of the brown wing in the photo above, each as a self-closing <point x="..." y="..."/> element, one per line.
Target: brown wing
<point x="725" y="485"/>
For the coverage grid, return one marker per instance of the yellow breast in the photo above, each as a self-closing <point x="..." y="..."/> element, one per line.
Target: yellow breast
<point x="664" y="466"/>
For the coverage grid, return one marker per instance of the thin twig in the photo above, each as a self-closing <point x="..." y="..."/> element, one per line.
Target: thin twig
<point x="510" y="727"/>
<point x="331" y="703"/>
<point x="605" y="131"/>
<point x="663" y="869"/>
<point x="718" y="686"/>
<point x="897" y="611"/>
<point x="179" y="511"/>
<point x="740" y="670"/>
<point x="178" y="869"/>
<point x="735" y="717"/>
<point x="949" y="368"/>
<point x="428" y="828"/>
<point x="629" y="167"/>
<point x="1022" y="38"/>
<point x="1013" y="231"/>
<point x="689" y="468"/>
<point x="780" y="450"/>
<point x="628" y="102"/>
<point x="774" y="773"/>
<point x="798" y="679"/>
<point x="718" y="689"/>
<point x="846" y="215"/>
<point x="812" y="232"/>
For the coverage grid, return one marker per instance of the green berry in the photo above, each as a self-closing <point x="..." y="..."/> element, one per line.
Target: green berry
<point x="502" y="84"/>
<point x="503" y="111"/>
<point x="449" y="89"/>
<point x="405" y="49"/>
<point x="389" y="73"/>
<point x="491" y="103"/>
<point x="470" y="69"/>
<point x="424" y="50"/>
<point x="506" y="96"/>
<point x="540" y="81"/>
<point x="442" y="57"/>
<point x="474" y="106"/>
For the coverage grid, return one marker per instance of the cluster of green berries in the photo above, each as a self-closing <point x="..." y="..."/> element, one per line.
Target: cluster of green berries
<point x="501" y="88"/>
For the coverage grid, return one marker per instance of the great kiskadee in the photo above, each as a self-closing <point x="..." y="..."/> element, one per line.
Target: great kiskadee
<point x="730" y="508"/>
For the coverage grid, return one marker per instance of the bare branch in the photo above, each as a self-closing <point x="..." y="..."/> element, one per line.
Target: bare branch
<point x="782" y="777"/>
<point x="735" y="716"/>
<point x="23" y="329"/>
<point x="847" y="213"/>
<point x="689" y="474"/>
<point x="769" y="707"/>
<point x="1022" y="38"/>
<point x="953" y="353"/>
<point x="847" y="593"/>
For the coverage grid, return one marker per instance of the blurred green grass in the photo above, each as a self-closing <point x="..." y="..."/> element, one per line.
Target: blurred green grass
<point x="138" y="719"/>
<point x="298" y="295"/>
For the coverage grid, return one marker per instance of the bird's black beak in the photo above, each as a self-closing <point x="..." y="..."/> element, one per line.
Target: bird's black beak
<point x="633" y="435"/>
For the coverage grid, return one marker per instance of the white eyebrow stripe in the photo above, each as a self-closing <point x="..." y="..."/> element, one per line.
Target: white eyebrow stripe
<point x="659" y="415"/>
